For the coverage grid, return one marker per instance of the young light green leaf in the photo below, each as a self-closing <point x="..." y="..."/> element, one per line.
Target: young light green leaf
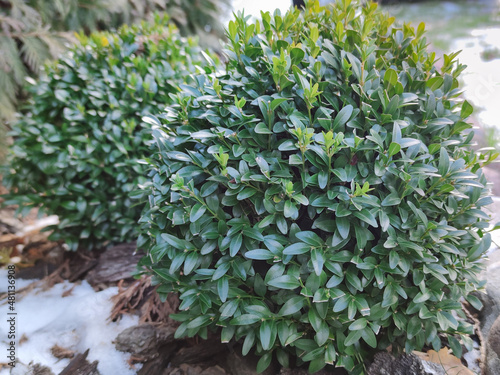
<point x="391" y="77"/>
<point x="394" y="148"/>
<point x="467" y="110"/>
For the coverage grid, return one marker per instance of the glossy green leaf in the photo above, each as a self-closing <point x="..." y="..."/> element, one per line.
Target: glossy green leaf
<point x="245" y="319"/>
<point x="197" y="212"/>
<point x="317" y="260"/>
<point x="367" y="217"/>
<point x="353" y="337"/>
<point x="259" y="254"/>
<point x="310" y="238"/>
<point x="342" y="117"/>
<point x="284" y="282"/>
<point x="264" y="362"/>
<point x="235" y="245"/>
<point x="297" y="248"/>
<point x="292" y="306"/>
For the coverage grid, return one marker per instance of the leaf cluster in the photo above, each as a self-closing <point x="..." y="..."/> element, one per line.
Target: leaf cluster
<point x="318" y="199"/>
<point x="77" y="147"/>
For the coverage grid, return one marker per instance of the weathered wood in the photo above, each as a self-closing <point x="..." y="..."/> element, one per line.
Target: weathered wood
<point x="198" y="353"/>
<point x="158" y="365"/>
<point x="40" y="270"/>
<point x="80" y="268"/>
<point x="236" y="363"/>
<point x="143" y="341"/>
<point x="115" y="264"/>
<point x="386" y="364"/>
<point x="80" y="366"/>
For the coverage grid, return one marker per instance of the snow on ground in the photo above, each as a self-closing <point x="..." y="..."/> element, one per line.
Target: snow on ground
<point x="77" y="322"/>
<point x="20" y="283"/>
<point x="473" y="358"/>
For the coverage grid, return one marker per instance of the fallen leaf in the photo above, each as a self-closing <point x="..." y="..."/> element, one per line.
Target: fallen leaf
<point x="451" y="364"/>
<point x="23" y="339"/>
<point x="60" y="352"/>
<point x="68" y="292"/>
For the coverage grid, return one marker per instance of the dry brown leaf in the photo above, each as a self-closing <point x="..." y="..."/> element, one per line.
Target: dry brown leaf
<point x="451" y="364"/>
<point x="60" y="352"/>
<point x="68" y="292"/>
<point x="139" y="295"/>
<point x="23" y="339"/>
<point x="10" y="239"/>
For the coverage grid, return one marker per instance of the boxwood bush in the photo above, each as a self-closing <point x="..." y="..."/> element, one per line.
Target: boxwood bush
<point x="318" y="200"/>
<point x="78" y="143"/>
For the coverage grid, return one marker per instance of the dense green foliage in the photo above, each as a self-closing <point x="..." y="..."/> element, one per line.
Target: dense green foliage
<point x="77" y="147"/>
<point x="318" y="199"/>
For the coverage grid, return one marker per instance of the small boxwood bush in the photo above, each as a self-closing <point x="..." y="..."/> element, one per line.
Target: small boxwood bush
<point x="78" y="143"/>
<point x="318" y="200"/>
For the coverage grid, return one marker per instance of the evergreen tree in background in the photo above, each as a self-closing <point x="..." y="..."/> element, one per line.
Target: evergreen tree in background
<point x="33" y="31"/>
<point x="26" y="43"/>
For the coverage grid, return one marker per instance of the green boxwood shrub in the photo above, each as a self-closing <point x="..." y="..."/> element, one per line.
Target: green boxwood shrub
<point x="318" y="200"/>
<point x="78" y="143"/>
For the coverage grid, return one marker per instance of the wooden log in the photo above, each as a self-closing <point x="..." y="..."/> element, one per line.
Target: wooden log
<point x="204" y="350"/>
<point x="143" y="341"/>
<point x="80" y="366"/>
<point x="115" y="264"/>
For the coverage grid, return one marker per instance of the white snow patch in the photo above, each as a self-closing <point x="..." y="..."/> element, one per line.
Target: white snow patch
<point x="77" y="322"/>
<point x="20" y="283"/>
<point x="473" y="358"/>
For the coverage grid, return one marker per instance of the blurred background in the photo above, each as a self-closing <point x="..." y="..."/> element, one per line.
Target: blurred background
<point x="34" y="31"/>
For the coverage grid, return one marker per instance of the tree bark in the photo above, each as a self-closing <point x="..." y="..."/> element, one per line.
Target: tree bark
<point x="116" y="263"/>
